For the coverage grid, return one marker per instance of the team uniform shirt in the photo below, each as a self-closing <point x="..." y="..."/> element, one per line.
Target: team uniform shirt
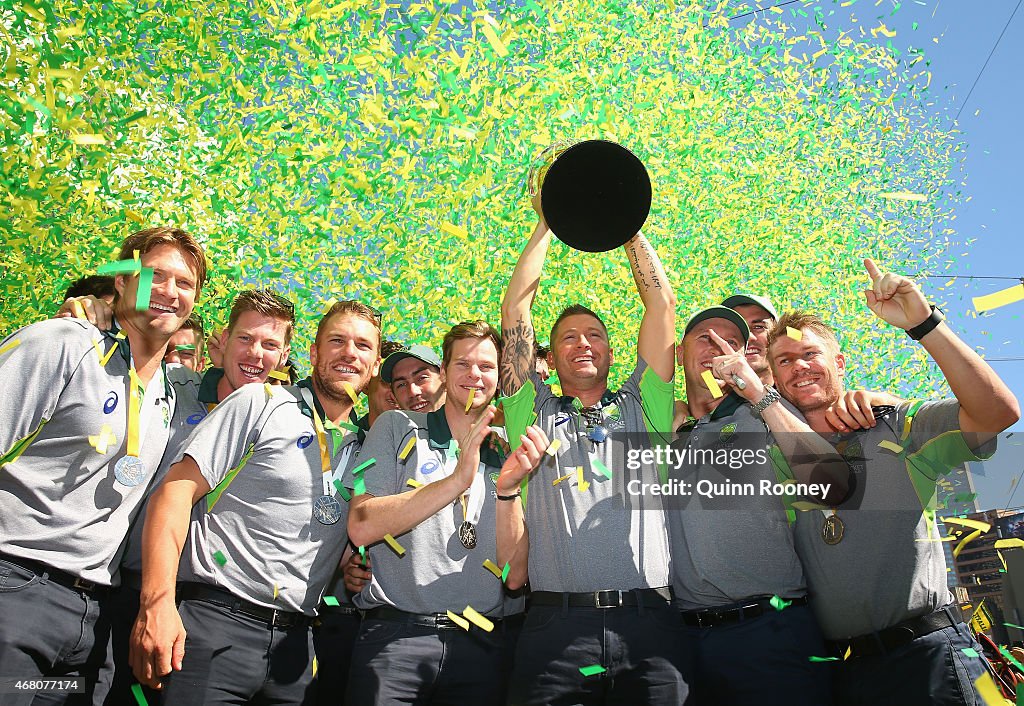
<point x="437" y="573"/>
<point x="889" y="565"/>
<point x="63" y="427"/>
<point x="188" y="412"/>
<point x="258" y="537"/>
<point x="729" y="548"/>
<point x="593" y="537"/>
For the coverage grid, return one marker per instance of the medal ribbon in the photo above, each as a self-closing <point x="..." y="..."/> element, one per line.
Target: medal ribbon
<point x="134" y="410"/>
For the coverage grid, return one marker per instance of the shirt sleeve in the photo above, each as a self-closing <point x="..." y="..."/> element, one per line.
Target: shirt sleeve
<point x="656" y="398"/>
<point x="221" y="441"/>
<point x="36" y="364"/>
<point x="931" y="434"/>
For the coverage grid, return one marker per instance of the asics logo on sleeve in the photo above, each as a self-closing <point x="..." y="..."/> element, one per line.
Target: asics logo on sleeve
<point x="110" y="404"/>
<point x="304" y="441"/>
<point x="195" y="418"/>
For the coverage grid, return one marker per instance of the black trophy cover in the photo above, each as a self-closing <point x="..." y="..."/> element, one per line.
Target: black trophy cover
<point x="596" y="196"/>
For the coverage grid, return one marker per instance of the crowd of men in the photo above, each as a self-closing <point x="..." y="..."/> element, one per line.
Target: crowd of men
<point x="183" y="521"/>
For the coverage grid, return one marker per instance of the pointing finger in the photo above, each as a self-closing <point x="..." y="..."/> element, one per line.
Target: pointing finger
<point x="873" y="272"/>
<point x="721" y="342"/>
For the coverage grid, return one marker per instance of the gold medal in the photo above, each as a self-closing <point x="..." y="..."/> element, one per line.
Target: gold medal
<point x="832" y="529"/>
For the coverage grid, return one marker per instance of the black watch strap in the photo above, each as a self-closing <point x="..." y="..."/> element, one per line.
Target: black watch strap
<point x="928" y="325"/>
<point x="517" y="494"/>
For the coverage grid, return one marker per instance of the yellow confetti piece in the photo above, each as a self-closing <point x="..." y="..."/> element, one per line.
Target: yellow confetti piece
<point x="794" y="333"/>
<point x="966" y="522"/>
<point x="458" y="620"/>
<point x="88" y="139"/>
<point x="553" y="447"/>
<point x="499" y="46"/>
<point x="712" y="384"/>
<point x="493" y="568"/>
<point x="278" y="375"/>
<point x="413" y="483"/>
<point x="351" y="392"/>
<point x="988" y="690"/>
<point x="409" y="446"/>
<point x="105" y="438"/>
<point x="395" y="546"/>
<point x="77" y="310"/>
<point x="328" y="304"/>
<point x="890" y="446"/>
<point x="556" y="481"/>
<point x="582" y="484"/>
<point x="1007" y="543"/>
<point x="469" y="402"/>
<point x="10" y="346"/>
<point x="269" y="389"/>
<point x="937" y="539"/>
<point x="99" y="352"/>
<point x="477" y="619"/>
<point x="959" y="548"/>
<point x="275" y="592"/>
<point x="998" y="299"/>
<point x="903" y="196"/>
<point x="315" y="665"/>
<point x="452" y="229"/>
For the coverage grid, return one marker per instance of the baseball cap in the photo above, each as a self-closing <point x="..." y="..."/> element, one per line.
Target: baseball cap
<point x="720" y="312"/>
<point x="763" y="302"/>
<point x="418" y="352"/>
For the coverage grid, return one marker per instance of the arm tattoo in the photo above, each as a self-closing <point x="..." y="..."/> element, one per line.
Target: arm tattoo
<point x="517" y="357"/>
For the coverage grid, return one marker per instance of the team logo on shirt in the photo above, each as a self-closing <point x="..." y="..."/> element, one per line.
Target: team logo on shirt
<point x="110" y="404"/>
<point x="493" y="477"/>
<point x="166" y="416"/>
<point x="727" y="433"/>
<point x="304" y="440"/>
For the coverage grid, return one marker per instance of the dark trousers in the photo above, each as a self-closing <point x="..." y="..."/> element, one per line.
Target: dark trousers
<point x="47" y="630"/>
<point x="231" y="658"/>
<point x="930" y="671"/>
<point x="762" y="661"/>
<point x="400" y="662"/>
<point x="643" y="650"/>
<point x="334" y="636"/>
<point x="118" y="681"/>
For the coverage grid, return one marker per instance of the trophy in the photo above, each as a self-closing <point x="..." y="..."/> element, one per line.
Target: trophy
<point x="595" y="195"/>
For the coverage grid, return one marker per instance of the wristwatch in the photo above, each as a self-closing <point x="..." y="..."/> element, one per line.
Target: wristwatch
<point x="926" y="326"/>
<point x="515" y="495"/>
<point x="771" y="396"/>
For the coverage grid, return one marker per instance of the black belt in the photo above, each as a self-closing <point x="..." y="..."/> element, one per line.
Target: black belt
<point x="439" y="621"/>
<point x="61" y="578"/>
<point x="325" y="609"/>
<point x="752" y="608"/>
<point x="888" y="639"/>
<point x="603" y="599"/>
<point x="219" y="596"/>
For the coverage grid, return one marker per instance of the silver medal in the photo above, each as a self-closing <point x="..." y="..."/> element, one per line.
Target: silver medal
<point x="467" y="534"/>
<point x="129" y="471"/>
<point x="326" y="510"/>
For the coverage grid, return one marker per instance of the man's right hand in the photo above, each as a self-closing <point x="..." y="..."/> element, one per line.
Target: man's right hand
<point x="96" y="311"/>
<point x="356" y="573"/>
<point x="157" y="643"/>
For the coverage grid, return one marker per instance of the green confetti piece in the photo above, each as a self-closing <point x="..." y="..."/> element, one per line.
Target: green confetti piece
<point x="504" y="572"/>
<point x="1013" y="625"/>
<point x="120" y="267"/>
<point x="779" y="604"/>
<point x="1013" y="660"/>
<point x="342" y="491"/>
<point x="359" y="485"/>
<point x="185" y="347"/>
<point x="823" y="659"/>
<point x="361" y="468"/>
<point x="362" y="554"/>
<point x="350" y="427"/>
<point x="598" y="466"/>
<point x="331" y="600"/>
<point x="592" y="670"/>
<point x="145" y="289"/>
<point x="970" y="651"/>
<point x="140" y="696"/>
<point x="218" y="556"/>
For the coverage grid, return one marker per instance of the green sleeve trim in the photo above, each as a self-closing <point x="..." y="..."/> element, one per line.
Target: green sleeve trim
<point x="214" y="495"/>
<point x="937" y="457"/>
<point x="519" y="414"/>
<point x="19" y="446"/>
<point x="783" y="474"/>
<point x="657" y="398"/>
<point x="908" y="420"/>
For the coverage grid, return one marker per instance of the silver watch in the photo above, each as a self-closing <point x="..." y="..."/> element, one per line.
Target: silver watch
<point x="771" y="396"/>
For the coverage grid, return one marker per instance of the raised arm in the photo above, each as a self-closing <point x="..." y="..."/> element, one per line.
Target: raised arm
<point x="987" y="406"/>
<point x="656" y="342"/>
<point x="517" y="357"/>
<point x="158" y="638"/>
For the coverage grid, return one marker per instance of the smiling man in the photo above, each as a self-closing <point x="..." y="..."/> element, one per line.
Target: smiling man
<point x="186" y="345"/>
<point x="416" y="379"/>
<point x="256" y="562"/>
<point x="875" y="563"/>
<point x="86" y="418"/>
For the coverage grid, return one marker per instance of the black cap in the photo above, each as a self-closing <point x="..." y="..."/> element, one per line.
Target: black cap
<point x="720" y="312"/>
<point x="763" y="302"/>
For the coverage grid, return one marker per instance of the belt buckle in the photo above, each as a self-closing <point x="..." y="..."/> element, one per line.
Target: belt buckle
<point x="276" y="618"/>
<point x="614" y="599"/>
<point x="84" y="585"/>
<point x="705" y="618"/>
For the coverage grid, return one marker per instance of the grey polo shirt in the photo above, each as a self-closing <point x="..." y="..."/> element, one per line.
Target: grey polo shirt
<point x="726" y="549"/>
<point x="889" y="565"/>
<point x="437" y="573"/>
<point x="60" y="503"/>
<point x="600" y="538"/>
<point x="258" y="538"/>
